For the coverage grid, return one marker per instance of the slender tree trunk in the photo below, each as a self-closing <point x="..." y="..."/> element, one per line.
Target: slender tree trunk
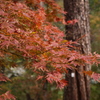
<point x="45" y="90"/>
<point x="28" y="97"/>
<point x="78" y="88"/>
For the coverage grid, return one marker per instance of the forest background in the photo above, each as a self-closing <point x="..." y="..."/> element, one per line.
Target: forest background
<point x="23" y="84"/>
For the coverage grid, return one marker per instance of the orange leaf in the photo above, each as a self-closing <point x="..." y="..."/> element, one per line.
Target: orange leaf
<point x="88" y="72"/>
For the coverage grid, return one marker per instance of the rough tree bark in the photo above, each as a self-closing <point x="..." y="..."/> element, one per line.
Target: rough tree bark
<point x="78" y="88"/>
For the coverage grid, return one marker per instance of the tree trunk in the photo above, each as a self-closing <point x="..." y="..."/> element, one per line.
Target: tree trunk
<point x="28" y="97"/>
<point x="78" y="88"/>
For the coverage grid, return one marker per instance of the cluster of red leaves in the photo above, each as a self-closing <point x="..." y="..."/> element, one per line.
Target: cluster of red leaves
<point x="96" y="76"/>
<point x="26" y="30"/>
<point x="7" y="96"/>
<point x="3" y="78"/>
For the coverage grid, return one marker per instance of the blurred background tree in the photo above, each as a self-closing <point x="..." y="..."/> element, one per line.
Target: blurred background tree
<point x="95" y="40"/>
<point x="26" y="87"/>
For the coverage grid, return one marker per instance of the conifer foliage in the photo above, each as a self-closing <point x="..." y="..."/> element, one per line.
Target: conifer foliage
<point x="27" y="31"/>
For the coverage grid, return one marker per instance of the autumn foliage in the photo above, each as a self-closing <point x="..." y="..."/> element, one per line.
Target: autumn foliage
<point x="27" y="31"/>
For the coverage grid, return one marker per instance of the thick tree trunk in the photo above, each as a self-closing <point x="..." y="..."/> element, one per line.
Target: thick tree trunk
<point x="78" y="88"/>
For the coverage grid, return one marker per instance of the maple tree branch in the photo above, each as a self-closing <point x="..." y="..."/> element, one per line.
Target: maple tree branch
<point x="15" y="54"/>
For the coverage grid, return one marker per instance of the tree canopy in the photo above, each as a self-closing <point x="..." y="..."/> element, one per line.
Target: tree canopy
<point x="28" y="32"/>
